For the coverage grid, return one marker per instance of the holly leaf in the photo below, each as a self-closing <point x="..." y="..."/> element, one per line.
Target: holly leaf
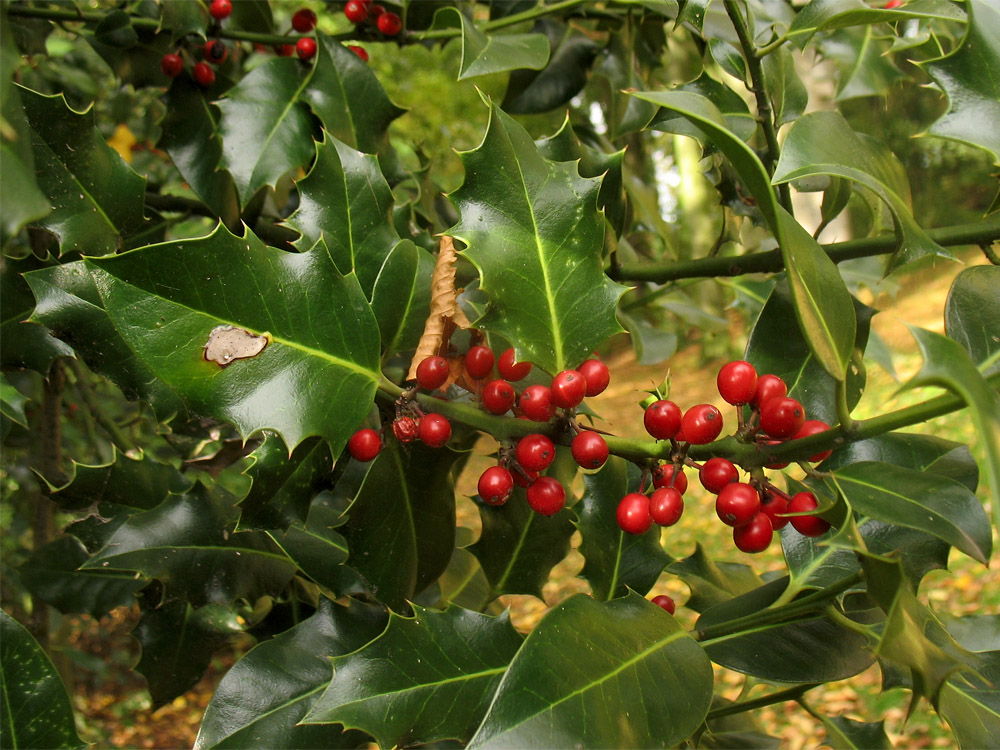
<point x="822" y="143"/>
<point x="265" y="126"/>
<point x="318" y="549"/>
<point x="483" y="54"/>
<point x="615" y="560"/>
<point x="713" y="582"/>
<point x="966" y="76"/>
<point x="600" y="675"/>
<point x="972" y="319"/>
<point x="21" y="202"/>
<point x="541" y="267"/>
<point x="452" y="659"/>
<point x="169" y="302"/>
<point x="518" y="547"/>
<point x="401" y="525"/>
<point x="264" y="696"/>
<point x="401" y="297"/>
<point x="843" y="733"/>
<point x="12" y="402"/>
<point x="864" y="65"/>
<point x="97" y="200"/>
<point x="971" y="704"/>
<point x="464" y="583"/>
<point x="347" y="97"/>
<point x="25" y="342"/>
<point x="345" y="200"/>
<point x="35" y="711"/>
<point x="829" y="15"/>
<point x="283" y="485"/>
<point x="788" y="94"/>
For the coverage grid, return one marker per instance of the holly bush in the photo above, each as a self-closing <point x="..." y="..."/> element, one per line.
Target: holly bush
<point x="239" y="278"/>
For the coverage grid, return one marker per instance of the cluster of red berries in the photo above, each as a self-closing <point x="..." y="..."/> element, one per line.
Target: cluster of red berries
<point x="754" y="509"/>
<point x="369" y="12"/>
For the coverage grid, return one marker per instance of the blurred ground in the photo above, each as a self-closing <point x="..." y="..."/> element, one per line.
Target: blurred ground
<point x="116" y="708"/>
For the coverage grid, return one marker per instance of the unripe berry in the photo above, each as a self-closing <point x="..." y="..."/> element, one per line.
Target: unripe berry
<point x="305" y="48"/>
<point x="589" y="449"/>
<point x="737" y="504"/>
<point x="737" y="382"/>
<point x="536" y="403"/>
<point x="546" y="496"/>
<point x="220" y="9"/>
<point x="364" y="445"/>
<point x="716" y="473"/>
<point x="666" y="506"/>
<point x="432" y="372"/>
<point x="701" y="424"/>
<point x="535" y="452"/>
<point x="389" y="23"/>
<point x="435" y="430"/>
<point x="664" y="602"/>
<point x="203" y="75"/>
<point x="498" y="396"/>
<point x="511" y="370"/>
<point x="597" y="375"/>
<point x="662" y="419"/>
<point x="356" y="11"/>
<point x="304" y="21"/>
<point x="495" y="485"/>
<point x="633" y="513"/>
<point x="781" y="417"/>
<point x="663" y="476"/>
<point x="568" y="389"/>
<point x="806" y="525"/>
<point x="479" y="359"/>
<point x="171" y="65"/>
<point x="755" y="536"/>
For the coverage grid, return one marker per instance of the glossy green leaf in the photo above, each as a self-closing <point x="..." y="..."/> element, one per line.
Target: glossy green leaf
<point x="97" y="200"/>
<point x="533" y="230"/>
<point x="731" y="105"/>
<point x="949" y="365"/>
<point x="262" y="699"/>
<point x="777" y="347"/>
<point x="464" y="584"/>
<point x="808" y="648"/>
<point x="21" y="201"/>
<point x="25" y="342"/>
<point x="35" y="711"/>
<point x="315" y="379"/>
<point x="786" y="89"/>
<point x="317" y="548"/>
<point x="12" y="402"/>
<point x="822" y="143"/>
<point x="829" y="15"/>
<point x="972" y="317"/>
<point x="266" y="128"/>
<point x="283" y="485"/>
<point x="401" y="297"/>
<point x="52" y="575"/>
<point x="348" y="98"/>
<point x="184" y="543"/>
<point x="728" y="57"/>
<point x="345" y="200"/>
<point x="967" y="77"/>
<point x="177" y="642"/>
<point x="616" y="561"/>
<point x="518" y="547"/>
<point x="622" y="673"/>
<point x="189" y="136"/>
<point x="865" y="68"/>
<point x="713" y="582"/>
<point x="252" y="15"/>
<point x="401" y="526"/>
<point x="822" y="303"/>
<point x="451" y="660"/>
<point x="843" y="733"/>
<point x="693" y="12"/>
<point x="971" y="704"/>
<point x="483" y="54"/>
<point x="918" y="500"/>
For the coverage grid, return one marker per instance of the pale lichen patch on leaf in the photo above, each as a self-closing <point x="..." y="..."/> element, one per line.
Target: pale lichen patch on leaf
<point x="227" y="343"/>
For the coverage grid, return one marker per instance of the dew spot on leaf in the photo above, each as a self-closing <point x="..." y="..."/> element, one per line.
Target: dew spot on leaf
<point x="226" y="344"/>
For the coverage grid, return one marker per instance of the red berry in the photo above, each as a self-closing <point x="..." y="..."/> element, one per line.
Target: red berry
<point x="435" y="430"/>
<point x="664" y="602"/>
<point x="479" y="359"/>
<point x="806" y="525"/>
<point x="546" y="496"/>
<point x="536" y="403"/>
<point x="495" y="485"/>
<point x="535" y="452"/>
<point x="356" y="12"/>
<point x="663" y="476"/>
<point x="774" y="505"/>
<point x="432" y="372"/>
<point x="305" y="47"/>
<point x="284" y="50"/>
<point x="633" y="513"/>
<point x="755" y="536"/>
<point x="768" y="387"/>
<point x="511" y="370"/>
<point x="375" y="11"/>
<point x="893" y="4"/>
<point x="716" y="473"/>
<point x="216" y="51"/>
<point x="171" y="65"/>
<point x="498" y="396"/>
<point x="304" y="21"/>
<point x="360" y="52"/>
<point x="662" y="419"/>
<point x="220" y="9"/>
<point x="589" y="449"/>
<point x="781" y="417"/>
<point x="597" y="375"/>
<point x="775" y="464"/>
<point x="364" y="445"/>
<point x="389" y="23"/>
<point x="203" y="74"/>
<point x="405" y="429"/>
<point x="568" y="389"/>
<point x="814" y="427"/>
<point x="666" y="506"/>
<point x="737" y="382"/>
<point x="524" y="478"/>
<point x="737" y="504"/>
<point x="701" y="424"/>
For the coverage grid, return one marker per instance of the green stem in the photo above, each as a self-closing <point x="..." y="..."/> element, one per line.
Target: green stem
<point x="764" y="110"/>
<point x="500" y="23"/>
<point x="979" y="233"/>
<point x="767" y="49"/>
<point x="847" y="422"/>
<point x="789" y="694"/>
